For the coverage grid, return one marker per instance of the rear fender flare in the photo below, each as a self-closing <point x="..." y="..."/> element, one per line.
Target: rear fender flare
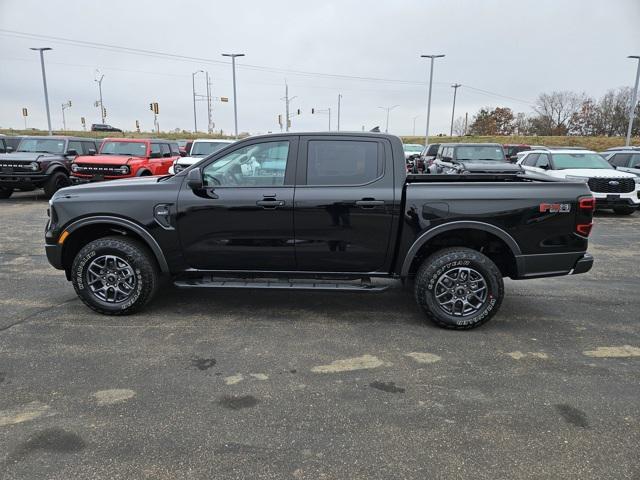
<point x="470" y="225"/>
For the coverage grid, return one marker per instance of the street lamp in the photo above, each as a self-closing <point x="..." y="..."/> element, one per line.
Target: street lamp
<point x="193" y="84"/>
<point x="432" y="57"/>
<point x="44" y="82"/>
<point x="455" y="87"/>
<point x="388" y="109"/>
<point x="99" y="82"/>
<point x="414" y="124"/>
<point x="64" y="122"/>
<point x="235" y="99"/>
<point x="634" y="101"/>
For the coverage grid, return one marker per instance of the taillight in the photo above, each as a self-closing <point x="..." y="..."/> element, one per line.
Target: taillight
<point x="587" y="203"/>
<point x="584" y="229"/>
<point x="584" y="216"/>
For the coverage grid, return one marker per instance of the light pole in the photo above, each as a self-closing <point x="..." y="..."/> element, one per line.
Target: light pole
<point x="455" y="87"/>
<point x="193" y="85"/>
<point x="432" y="57"/>
<point x="44" y="82"/>
<point x="388" y="109"/>
<point x="99" y="82"/>
<point x="339" y="99"/>
<point x="235" y="98"/>
<point x="634" y="101"/>
<point x="414" y="124"/>
<point x="64" y="106"/>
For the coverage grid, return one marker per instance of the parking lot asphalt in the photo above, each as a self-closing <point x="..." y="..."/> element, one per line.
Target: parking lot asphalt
<point x="259" y="384"/>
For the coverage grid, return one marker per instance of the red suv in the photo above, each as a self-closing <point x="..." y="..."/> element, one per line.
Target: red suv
<point x="126" y="157"/>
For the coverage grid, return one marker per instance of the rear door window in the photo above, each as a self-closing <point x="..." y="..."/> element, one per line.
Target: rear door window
<point x="531" y="159"/>
<point x="155" y="148"/>
<point x="543" y="161"/>
<point x="635" y="161"/>
<point x="620" y="159"/>
<point x="343" y="162"/>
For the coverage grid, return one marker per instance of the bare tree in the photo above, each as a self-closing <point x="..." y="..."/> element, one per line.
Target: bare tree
<point x="458" y="127"/>
<point x="555" y="110"/>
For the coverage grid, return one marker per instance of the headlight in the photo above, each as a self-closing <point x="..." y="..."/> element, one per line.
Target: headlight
<point x="177" y="168"/>
<point x="74" y="167"/>
<point x="124" y="169"/>
<point x="35" y="166"/>
<point x="576" y="179"/>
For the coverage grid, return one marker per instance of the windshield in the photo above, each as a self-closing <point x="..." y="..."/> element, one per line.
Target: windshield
<point x="132" y="149"/>
<point x="41" y="145"/>
<point x="200" y="149"/>
<point x="563" y="161"/>
<point x="481" y="153"/>
<point x="410" y="147"/>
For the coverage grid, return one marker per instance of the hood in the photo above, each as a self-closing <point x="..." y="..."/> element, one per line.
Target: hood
<point x="189" y="160"/>
<point x="108" y="185"/>
<point x="490" y="167"/>
<point x="28" y="156"/>
<point x="106" y="159"/>
<point x="594" y="173"/>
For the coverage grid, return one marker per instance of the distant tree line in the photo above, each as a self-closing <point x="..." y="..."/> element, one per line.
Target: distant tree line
<point x="559" y="113"/>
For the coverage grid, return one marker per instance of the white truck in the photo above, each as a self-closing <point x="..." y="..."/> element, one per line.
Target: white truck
<point x="200" y="149"/>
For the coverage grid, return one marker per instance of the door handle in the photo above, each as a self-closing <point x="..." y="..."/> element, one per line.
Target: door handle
<point x="369" y="203"/>
<point x="270" y="204"/>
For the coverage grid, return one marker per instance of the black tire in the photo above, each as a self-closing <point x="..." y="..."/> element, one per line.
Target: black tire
<point x="430" y="280"/>
<point x="5" y="192"/>
<point x="56" y="181"/>
<point x="624" y="210"/>
<point x="140" y="263"/>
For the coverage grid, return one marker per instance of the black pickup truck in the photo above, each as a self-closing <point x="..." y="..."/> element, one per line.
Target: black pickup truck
<point x="330" y="211"/>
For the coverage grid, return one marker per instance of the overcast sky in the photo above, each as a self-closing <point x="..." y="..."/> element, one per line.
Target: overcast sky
<point x="512" y="48"/>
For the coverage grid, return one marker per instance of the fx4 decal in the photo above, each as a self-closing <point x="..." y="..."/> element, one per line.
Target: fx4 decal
<point x="555" y="207"/>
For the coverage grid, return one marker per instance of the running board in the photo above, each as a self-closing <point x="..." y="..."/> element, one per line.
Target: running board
<point x="289" y="284"/>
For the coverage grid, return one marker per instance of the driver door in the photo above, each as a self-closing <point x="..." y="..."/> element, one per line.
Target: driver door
<point x="242" y="219"/>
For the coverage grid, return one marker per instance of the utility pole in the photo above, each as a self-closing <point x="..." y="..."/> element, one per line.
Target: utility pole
<point x="455" y="87"/>
<point x="339" y="99"/>
<point x="64" y="123"/>
<point x="466" y="119"/>
<point x="286" y="107"/>
<point x="414" y="124"/>
<point x="235" y="98"/>
<point x="388" y="109"/>
<point x="44" y="83"/>
<point x="634" y="101"/>
<point x="99" y="82"/>
<point x="209" y="114"/>
<point x="193" y="86"/>
<point x="432" y="57"/>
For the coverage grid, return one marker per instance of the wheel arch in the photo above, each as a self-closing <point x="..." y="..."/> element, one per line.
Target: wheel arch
<point x="86" y="230"/>
<point x="463" y="229"/>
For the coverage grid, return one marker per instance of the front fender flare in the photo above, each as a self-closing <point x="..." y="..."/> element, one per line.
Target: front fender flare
<point x="128" y="224"/>
<point x="471" y="225"/>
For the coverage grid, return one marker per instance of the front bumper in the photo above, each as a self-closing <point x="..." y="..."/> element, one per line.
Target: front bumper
<point x="610" y="201"/>
<point x="553" y="264"/>
<point x="54" y="255"/>
<point x="16" y="180"/>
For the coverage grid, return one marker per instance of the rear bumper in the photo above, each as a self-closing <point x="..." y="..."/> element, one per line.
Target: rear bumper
<point x="552" y="264"/>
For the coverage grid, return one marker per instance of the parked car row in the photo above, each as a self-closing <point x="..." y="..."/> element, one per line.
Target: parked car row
<point x="54" y="162"/>
<point x="613" y="176"/>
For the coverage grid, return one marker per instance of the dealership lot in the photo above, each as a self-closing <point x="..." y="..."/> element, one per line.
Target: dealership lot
<point x="260" y="384"/>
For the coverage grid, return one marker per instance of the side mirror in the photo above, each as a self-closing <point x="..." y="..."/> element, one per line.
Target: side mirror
<point x="91" y="151"/>
<point x="9" y="149"/>
<point x="155" y="155"/>
<point x="166" y="155"/>
<point x="194" y="179"/>
<point x="183" y="154"/>
<point x="71" y="153"/>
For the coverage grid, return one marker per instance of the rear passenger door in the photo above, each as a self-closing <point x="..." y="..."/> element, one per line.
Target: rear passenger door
<point x="343" y="204"/>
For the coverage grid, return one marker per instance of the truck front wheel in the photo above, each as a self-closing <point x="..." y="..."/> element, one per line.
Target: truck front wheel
<point x="114" y="275"/>
<point x="56" y="181"/>
<point x="459" y="288"/>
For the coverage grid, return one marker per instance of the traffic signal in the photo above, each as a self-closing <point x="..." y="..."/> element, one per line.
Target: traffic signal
<point x="151" y="106"/>
<point x="313" y="110"/>
<point x="155" y="108"/>
<point x="224" y="99"/>
<point x="104" y="112"/>
<point x="82" y="121"/>
<point x="298" y="111"/>
<point x="24" y="112"/>
<point x="69" y="102"/>
<point x="280" y="119"/>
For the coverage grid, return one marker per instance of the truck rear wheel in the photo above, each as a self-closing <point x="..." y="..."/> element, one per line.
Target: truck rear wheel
<point x="56" y="181"/>
<point x="5" y="192"/>
<point x="115" y="275"/>
<point x="459" y="288"/>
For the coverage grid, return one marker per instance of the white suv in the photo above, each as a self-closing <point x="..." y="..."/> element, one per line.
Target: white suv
<point x="611" y="188"/>
<point x="200" y="149"/>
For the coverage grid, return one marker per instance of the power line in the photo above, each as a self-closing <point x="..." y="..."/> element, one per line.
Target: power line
<point x="187" y="58"/>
